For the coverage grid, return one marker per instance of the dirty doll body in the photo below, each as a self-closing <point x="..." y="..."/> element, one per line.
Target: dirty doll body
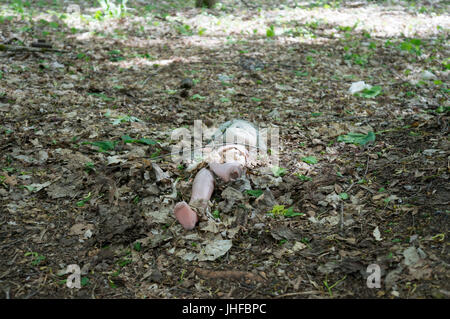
<point x="228" y="162"/>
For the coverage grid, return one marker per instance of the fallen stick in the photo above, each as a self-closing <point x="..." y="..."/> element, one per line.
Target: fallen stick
<point x="300" y="293"/>
<point x="228" y="274"/>
<point x="7" y="47"/>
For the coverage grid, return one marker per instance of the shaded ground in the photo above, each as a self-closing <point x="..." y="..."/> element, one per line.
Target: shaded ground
<point x="63" y="202"/>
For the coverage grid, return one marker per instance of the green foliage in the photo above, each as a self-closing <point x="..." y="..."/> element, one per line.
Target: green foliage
<point x="126" y="118"/>
<point x="84" y="200"/>
<point x="137" y="246"/>
<point x="124" y="261"/>
<point x="344" y="196"/>
<point x="84" y="281"/>
<point x="357" y="59"/>
<point x="357" y="138"/>
<point x="103" y="146"/>
<point x="370" y="93"/>
<point x="280" y="210"/>
<point x="198" y="97"/>
<point x="412" y="45"/>
<point x="278" y="171"/>
<point x="126" y="139"/>
<point x="19" y="5"/>
<point x="330" y="287"/>
<point x="301" y="73"/>
<point x="37" y="259"/>
<point x="255" y="193"/>
<point x="270" y="32"/>
<point x="102" y="96"/>
<point x="115" y="56"/>
<point x="89" y="167"/>
<point x="290" y="213"/>
<point x="303" y="177"/>
<point x="310" y="159"/>
<point x="112" y="9"/>
<point x="185" y="30"/>
<point x="216" y="214"/>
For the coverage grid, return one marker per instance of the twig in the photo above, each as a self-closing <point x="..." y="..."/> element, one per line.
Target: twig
<point x="367" y="189"/>
<point x="350" y="187"/>
<point x="367" y="166"/>
<point x="253" y="291"/>
<point x="299" y="293"/>
<point x="7" y="47"/>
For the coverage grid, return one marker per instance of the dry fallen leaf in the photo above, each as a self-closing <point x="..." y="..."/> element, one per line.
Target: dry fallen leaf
<point x="377" y="234"/>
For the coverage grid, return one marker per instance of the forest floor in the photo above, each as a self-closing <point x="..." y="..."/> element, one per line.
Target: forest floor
<point x="84" y="124"/>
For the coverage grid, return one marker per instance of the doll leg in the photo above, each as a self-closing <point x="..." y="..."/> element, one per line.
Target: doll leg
<point x="227" y="171"/>
<point x="202" y="190"/>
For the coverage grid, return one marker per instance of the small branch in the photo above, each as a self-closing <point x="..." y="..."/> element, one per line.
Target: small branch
<point x="367" y="166"/>
<point x="7" y="47"/>
<point x="300" y="293"/>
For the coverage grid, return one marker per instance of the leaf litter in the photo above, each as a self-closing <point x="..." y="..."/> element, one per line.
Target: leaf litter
<point x="85" y="133"/>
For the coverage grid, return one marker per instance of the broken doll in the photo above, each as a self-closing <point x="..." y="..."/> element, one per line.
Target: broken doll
<point x="228" y="162"/>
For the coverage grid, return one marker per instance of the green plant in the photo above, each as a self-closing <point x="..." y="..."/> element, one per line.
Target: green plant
<point x="343" y="196"/>
<point x="198" y="97"/>
<point x="370" y="93"/>
<point x="84" y="200"/>
<point x="137" y="246"/>
<point x="280" y="210"/>
<point x="310" y="159"/>
<point x="183" y="272"/>
<point x="89" y="167"/>
<point x="303" y="177"/>
<point x="357" y="59"/>
<point x="103" y="146"/>
<point x="270" y="32"/>
<point x="216" y="214"/>
<point x="84" y="281"/>
<point x="37" y="259"/>
<point x="112" y="9"/>
<point x="126" y="118"/>
<point x="126" y="139"/>
<point x="278" y="171"/>
<point x="124" y="261"/>
<point x="115" y="56"/>
<point x="329" y="288"/>
<point x="185" y="30"/>
<point x="357" y="138"/>
<point x="255" y="193"/>
<point x="412" y="45"/>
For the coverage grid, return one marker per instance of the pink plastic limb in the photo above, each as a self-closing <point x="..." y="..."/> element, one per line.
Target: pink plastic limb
<point x="203" y="186"/>
<point x="227" y="171"/>
<point x="202" y="190"/>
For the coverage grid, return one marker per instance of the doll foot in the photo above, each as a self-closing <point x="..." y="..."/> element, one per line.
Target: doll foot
<point x="185" y="215"/>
